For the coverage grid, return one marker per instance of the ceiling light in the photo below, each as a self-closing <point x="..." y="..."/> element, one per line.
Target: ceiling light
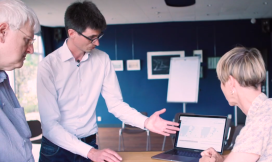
<point x="179" y="3"/>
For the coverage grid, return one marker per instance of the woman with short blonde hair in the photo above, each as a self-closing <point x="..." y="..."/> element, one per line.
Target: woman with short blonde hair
<point x="245" y="65"/>
<point x="241" y="72"/>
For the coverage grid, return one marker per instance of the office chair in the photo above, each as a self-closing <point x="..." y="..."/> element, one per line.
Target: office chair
<point x="227" y="130"/>
<point x="235" y="130"/>
<point x="36" y="131"/>
<point x="133" y="130"/>
<point x="173" y="136"/>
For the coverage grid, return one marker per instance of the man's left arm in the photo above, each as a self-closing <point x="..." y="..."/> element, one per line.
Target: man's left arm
<point x="112" y="94"/>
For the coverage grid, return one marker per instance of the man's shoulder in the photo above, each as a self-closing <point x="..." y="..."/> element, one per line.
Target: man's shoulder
<point x="99" y="53"/>
<point x="51" y="57"/>
<point x="54" y="53"/>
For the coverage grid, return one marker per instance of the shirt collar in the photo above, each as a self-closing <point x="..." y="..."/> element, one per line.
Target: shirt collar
<point x="3" y="76"/>
<point x="66" y="54"/>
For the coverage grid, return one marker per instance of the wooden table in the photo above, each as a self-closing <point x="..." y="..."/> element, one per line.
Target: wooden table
<point x="144" y="156"/>
<point x="139" y="156"/>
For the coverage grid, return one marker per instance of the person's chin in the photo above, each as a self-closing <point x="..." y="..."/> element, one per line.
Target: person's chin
<point x="89" y="50"/>
<point x="232" y="104"/>
<point x="20" y="64"/>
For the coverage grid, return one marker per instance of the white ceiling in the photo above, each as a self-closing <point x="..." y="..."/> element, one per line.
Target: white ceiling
<point x="51" y="12"/>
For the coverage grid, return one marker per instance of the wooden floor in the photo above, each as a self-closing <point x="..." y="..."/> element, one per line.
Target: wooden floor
<point x="109" y="138"/>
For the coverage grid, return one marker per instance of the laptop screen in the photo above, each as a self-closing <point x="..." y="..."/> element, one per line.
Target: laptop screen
<point x="201" y="133"/>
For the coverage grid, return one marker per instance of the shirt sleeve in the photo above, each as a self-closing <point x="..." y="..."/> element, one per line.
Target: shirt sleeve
<point x="254" y="137"/>
<point x="50" y="113"/>
<point x="111" y="92"/>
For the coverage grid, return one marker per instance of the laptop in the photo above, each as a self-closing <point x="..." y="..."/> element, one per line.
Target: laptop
<point x="196" y="133"/>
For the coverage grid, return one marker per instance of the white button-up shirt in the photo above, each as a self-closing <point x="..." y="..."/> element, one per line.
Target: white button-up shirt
<point x="68" y="95"/>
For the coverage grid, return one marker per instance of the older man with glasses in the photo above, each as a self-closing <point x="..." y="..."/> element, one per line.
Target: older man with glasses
<point x="18" y="23"/>
<point x="68" y="93"/>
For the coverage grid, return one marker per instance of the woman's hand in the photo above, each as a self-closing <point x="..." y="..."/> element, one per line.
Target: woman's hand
<point x="210" y="155"/>
<point x="207" y="159"/>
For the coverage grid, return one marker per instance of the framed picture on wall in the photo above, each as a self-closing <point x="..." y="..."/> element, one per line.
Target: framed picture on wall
<point x="158" y="63"/>
<point x="201" y="72"/>
<point x="118" y="65"/>
<point x="133" y="65"/>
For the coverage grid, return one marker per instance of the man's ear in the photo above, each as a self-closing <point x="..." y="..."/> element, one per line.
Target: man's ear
<point x="3" y="31"/>
<point x="71" y="33"/>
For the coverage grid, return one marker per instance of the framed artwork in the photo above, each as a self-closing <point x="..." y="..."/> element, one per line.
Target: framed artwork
<point x="198" y="53"/>
<point x="212" y="62"/>
<point x="201" y="72"/>
<point x="118" y="65"/>
<point x="158" y="63"/>
<point x="133" y="65"/>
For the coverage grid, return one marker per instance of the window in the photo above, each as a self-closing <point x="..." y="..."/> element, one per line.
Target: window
<point x="24" y="81"/>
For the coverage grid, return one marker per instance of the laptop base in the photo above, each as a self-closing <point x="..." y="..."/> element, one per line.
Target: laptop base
<point x="176" y="158"/>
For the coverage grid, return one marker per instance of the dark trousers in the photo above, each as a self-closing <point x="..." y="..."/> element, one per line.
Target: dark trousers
<point x="52" y="153"/>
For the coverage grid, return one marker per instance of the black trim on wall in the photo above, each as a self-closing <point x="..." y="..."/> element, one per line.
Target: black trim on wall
<point x="52" y="38"/>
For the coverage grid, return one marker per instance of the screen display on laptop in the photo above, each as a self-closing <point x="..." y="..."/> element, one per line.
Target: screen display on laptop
<point x="201" y="133"/>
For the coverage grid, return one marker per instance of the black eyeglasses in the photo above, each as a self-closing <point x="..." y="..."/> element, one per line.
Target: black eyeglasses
<point x="94" y="39"/>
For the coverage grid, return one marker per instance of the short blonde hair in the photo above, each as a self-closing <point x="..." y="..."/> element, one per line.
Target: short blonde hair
<point x="245" y="65"/>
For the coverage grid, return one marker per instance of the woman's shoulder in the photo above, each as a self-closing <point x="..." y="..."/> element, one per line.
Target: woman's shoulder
<point x="260" y="115"/>
<point x="266" y="108"/>
<point x="268" y="102"/>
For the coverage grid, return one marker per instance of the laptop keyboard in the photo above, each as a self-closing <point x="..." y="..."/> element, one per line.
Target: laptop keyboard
<point x="184" y="153"/>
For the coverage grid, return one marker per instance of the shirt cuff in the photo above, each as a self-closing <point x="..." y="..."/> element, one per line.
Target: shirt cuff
<point x="83" y="149"/>
<point x="141" y="121"/>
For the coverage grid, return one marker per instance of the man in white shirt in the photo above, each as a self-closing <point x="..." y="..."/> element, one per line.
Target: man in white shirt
<point x="70" y="81"/>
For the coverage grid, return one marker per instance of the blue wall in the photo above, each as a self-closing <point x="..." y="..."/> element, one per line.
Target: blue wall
<point x="150" y="95"/>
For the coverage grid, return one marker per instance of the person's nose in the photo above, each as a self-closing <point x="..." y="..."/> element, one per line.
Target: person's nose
<point x="30" y="49"/>
<point x="96" y="42"/>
